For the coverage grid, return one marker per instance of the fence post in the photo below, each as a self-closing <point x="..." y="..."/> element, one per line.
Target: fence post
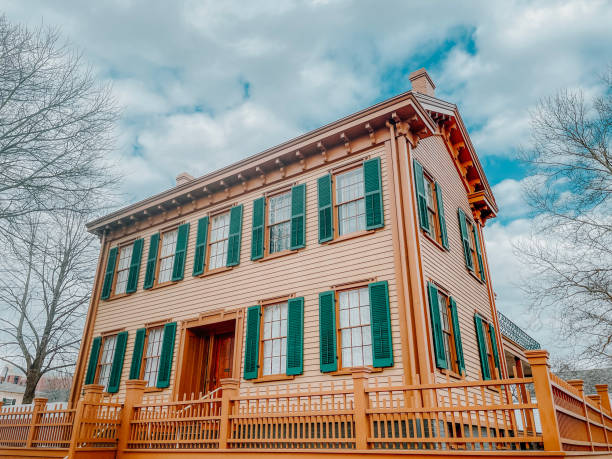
<point x="134" y="391"/>
<point x="602" y="391"/>
<point x="538" y="360"/>
<point x="39" y="405"/>
<point x="229" y="389"/>
<point x="92" y="394"/>
<point x="360" y="403"/>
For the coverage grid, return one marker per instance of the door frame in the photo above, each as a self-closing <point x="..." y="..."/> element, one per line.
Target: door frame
<point x="210" y="318"/>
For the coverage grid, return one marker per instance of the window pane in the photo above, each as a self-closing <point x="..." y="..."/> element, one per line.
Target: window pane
<point x="355" y="335"/>
<point x="123" y="268"/>
<point x="274" y="338"/>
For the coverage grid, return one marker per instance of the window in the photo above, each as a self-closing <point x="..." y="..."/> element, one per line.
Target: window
<point x="471" y="246"/>
<point x="279" y="222"/>
<point x="355" y="333"/>
<point x="152" y="355"/>
<point x="447" y="331"/>
<point x="106" y="360"/>
<point x="350" y="203"/>
<point x="430" y="205"/>
<point x="219" y="235"/>
<point x="8" y="401"/>
<point x="274" y="339"/>
<point x="166" y="256"/>
<point x="123" y="268"/>
<point x="432" y="208"/>
<point x="487" y="346"/>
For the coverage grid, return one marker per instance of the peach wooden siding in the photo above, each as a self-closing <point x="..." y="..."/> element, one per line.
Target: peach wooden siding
<point x="448" y="268"/>
<point x="306" y="273"/>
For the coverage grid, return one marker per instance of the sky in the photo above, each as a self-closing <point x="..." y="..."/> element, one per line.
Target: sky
<point x="203" y="84"/>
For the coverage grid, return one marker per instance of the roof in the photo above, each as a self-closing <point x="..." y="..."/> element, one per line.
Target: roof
<point x="12" y="388"/>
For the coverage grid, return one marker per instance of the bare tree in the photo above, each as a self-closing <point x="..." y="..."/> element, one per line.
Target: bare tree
<point x="56" y="124"/>
<point x="44" y="290"/>
<point x="570" y="252"/>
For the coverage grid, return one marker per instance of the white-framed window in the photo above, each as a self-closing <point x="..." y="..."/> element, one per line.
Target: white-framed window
<point x="279" y="222"/>
<point x="350" y="201"/>
<point x="152" y="355"/>
<point x="106" y="360"/>
<point x="432" y="207"/>
<point x="355" y="334"/>
<point x="219" y="234"/>
<point x="123" y="268"/>
<point x="274" y="339"/>
<point x="166" y="255"/>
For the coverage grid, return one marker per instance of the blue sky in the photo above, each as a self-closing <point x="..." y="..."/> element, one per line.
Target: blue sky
<point x="206" y="83"/>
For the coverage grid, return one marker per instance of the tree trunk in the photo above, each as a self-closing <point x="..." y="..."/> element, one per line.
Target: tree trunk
<point x="31" y="382"/>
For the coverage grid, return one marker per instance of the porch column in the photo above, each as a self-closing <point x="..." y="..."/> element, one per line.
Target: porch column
<point x="602" y="391"/>
<point x="229" y="389"/>
<point x="134" y="390"/>
<point x="92" y="394"/>
<point x="538" y="360"/>
<point x="360" y="406"/>
<point x="39" y="405"/>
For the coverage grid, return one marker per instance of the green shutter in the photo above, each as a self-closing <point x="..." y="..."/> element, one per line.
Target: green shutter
<point x="257" y="234"/>
<point x="465" y="238"/>
<point x="199" y="257"/>
<point x="478" y="252"/>
<point x="380" y="325"/>
<point x="132" y="282"/>
<point x="441" y="219"/>
<point x="327" y="332"/>
<point x="251" y="345"/>
<point x="419" y="181"/>
<point x="167" y="353"/>
<point x="326" y="221"/>
<point x="93" y="360"/>
<point x="295" y="336"/>
<point x="110" y="272"/>
<point x="372" y="184"/>
<point x="151" y="261"/>
<point x="235" y="236"/>
<point x="457" y="336"/>
<point x="482" y="348"/>
<point x="436" y="326"/>
<point x="298" y="217"/>
<point x="117" y="367"/>
<point x="495" y="351"/>
<point x="141" y="333"/>
<point x="180" y="253"/>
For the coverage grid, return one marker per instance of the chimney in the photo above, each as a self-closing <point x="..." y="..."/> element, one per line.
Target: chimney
<point x="183" y="178"/>
<point x="421" y="82"/>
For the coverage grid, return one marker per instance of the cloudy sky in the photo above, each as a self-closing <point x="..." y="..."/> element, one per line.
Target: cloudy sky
<point x="205" y="83"/>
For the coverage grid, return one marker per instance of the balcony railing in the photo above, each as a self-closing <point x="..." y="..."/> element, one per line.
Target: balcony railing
<point x="515" y="333"/>
<point x="351" y="416"/>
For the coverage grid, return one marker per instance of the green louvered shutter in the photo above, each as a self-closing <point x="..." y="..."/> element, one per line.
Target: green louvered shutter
<point x="109" y="273"/>
<point x="295" y="336"/>
<point x="151" y="261"/>
<point x="372" y="185"/>
<point x="436" y="326"/>
<point x="380" y="325"/>
<point x="199" y="256"/>
<point x="419" y="180"/>
<point x="167" y="353"/>
<point x="478" y="252"/>
<point x="178" y="268"/>
<point x="457" y="336"/>
<point x="441" y="219"/>
<point x="251" y="345"/>
<point x="327" y="332"/>
<point x="141" y="333"/>
<point x="93" y="360"/>
<point x="482" y="348"/>
<point x="465" y="238"/>
<point x="257" y="233"/>
<point x="117" y="367"/>
<point x="132" y="282"/>
<point x="235" y="236"/>
<point x="495" y="351"/>
<point x="326" y="221"/>
<point x="298" y="217"/>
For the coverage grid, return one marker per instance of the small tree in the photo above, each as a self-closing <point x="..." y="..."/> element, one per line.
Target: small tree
<point x="570" y="252"/>
<point x="44" y="291"/>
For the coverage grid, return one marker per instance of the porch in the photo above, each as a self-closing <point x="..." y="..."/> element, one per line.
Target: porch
<point x="454" y="418"/>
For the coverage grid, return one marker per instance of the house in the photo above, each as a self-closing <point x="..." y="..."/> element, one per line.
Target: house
<point x="11" y="393"/>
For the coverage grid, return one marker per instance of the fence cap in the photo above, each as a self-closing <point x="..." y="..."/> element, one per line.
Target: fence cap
<point x="229" y="383"/>
<point x="601" y="387"/>
<point x="537" y="357"/>
<point x="577" y="383"/>
<point x="135" y="384"/>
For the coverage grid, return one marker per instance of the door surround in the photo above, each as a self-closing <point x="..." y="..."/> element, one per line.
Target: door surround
<point x="207" y="319"/>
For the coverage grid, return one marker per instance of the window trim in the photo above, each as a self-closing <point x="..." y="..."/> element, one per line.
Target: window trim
<point x="267" y="196"/>
<point x="163" y="231"/>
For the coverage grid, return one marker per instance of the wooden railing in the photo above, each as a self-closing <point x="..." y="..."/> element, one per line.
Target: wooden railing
<point x="15" y="422"/>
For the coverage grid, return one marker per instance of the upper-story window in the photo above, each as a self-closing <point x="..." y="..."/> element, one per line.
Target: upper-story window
<point x="123" y="268"/>
<point x="350" y="201"/>
<point x="430" y="205"/>
<point x="279" y="222"/>
<point x="106" y="360"/>
<point x="219" y="236"/>
<point x="487" y="347"/>
<point x="471" y="245"/>
<point x="274" y="339"/>
<point x="166" y="255"/>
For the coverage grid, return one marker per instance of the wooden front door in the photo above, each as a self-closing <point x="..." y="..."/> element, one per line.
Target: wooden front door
<point x="221" y="360"/>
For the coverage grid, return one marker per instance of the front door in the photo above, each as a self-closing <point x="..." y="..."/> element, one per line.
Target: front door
<point x="222" y="359"/>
